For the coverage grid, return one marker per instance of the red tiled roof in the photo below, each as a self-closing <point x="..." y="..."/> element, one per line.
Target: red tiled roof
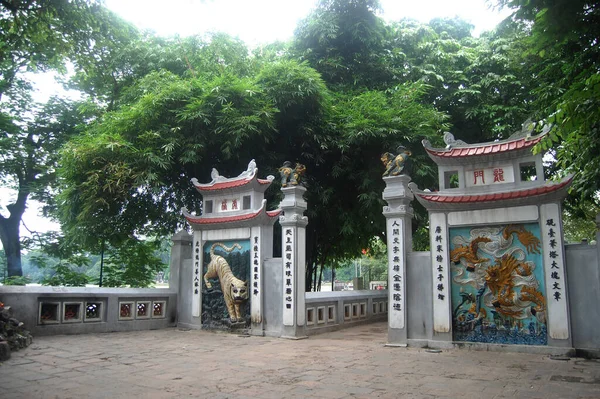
<point x="228" y="184"/>
<point x="231" y="219"/>
<point x="486" y="148"/>
<point x="457" y="199"/>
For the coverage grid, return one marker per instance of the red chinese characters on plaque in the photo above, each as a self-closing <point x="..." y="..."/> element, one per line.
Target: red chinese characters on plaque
<point x="498" y="175"/>
<point x="489" y="176"/>
<point x="229" y="204"/>
<point x="478" y="174"/>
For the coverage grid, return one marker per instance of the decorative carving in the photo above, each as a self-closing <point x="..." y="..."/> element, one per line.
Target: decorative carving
<point x="291" y="176"/>
<point x="499" y="273"/>
<point x="250" y="170"/>
<point x="394" y="164"/>
<point x="235" y="291"/>
<point x="400" y="209"/>
<point x="294" y="218"/>
<point x="469" y="253"/>
<point x="451" y="142"/>
<point x="217" y="178"/>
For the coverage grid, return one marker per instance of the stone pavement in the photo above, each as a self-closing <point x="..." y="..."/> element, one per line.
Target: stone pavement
<point x="174" y="363"/>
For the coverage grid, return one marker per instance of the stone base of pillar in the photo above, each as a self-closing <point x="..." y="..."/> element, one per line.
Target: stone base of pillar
<point x="294" y="338"/>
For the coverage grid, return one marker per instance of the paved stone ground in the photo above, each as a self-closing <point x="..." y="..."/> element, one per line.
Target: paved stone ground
<point x="354" y="363"/>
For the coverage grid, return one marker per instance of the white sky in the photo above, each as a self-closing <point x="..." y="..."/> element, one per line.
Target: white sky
<point x="263" y="21"/>
<point x="255" y="22"/>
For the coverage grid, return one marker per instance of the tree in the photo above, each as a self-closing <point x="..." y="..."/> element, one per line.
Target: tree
<point x="28" y="155"/>
<point x="476" y="81"/>
<point x="563" y="54"/>
<point x="133" y="264"/>
<point x="343" y="40"/>
<point x="129" y="173"/>
<point x="38" y="36"/>
<point x="375" y="107"/>
<point x="348" y="88"/>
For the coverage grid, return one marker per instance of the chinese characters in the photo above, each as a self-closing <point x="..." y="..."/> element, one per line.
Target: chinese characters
<point x="439" y="259"/>
<point x="396" y="276"/>
<point x="255" y="266"/>
<point x="288" y="276"/>
<point x="554" y="265"/>
<point x="489" y="176"/>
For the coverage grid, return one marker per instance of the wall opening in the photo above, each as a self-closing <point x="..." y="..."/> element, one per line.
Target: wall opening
<point x="451" y="179"/>
<point x="528" y="171"/>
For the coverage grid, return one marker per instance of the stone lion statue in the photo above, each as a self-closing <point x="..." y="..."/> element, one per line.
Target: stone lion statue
<point x="291" y="175"/>
<point x="394" y="164"/>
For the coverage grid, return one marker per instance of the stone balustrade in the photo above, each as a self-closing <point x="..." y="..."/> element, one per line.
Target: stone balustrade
<point x="63" y="310"/>
<point x="330" y="311"/>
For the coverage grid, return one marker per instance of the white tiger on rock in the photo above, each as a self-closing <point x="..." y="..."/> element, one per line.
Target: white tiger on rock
<point x="235" y="291"/>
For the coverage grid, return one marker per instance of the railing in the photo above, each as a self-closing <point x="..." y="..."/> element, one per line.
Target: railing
<point x="330" y="311"/>
<point x="61" y="310"/>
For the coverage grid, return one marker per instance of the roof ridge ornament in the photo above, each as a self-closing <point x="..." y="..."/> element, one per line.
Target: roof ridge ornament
<point x="248" y="174"/>
<point x="250" y="171"/>
<point x="451" y="141"/>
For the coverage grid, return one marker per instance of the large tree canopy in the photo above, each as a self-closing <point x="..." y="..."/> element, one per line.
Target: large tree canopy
<point x="563" y="56"/>
<point x="129" y="173"/>
<point x="348" y="87"/>
<point x="41" y="36"/>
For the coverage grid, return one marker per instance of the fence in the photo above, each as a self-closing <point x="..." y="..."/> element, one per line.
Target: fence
<point x="61" y="310"/>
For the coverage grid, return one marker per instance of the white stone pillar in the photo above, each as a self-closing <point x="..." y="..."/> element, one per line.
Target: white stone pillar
<point x="180" y="251"/>
<point x="293" y="235"/>
<point x="554" y="271"/>
<point x="261" y="247"/>
<point x="398" y="216"/>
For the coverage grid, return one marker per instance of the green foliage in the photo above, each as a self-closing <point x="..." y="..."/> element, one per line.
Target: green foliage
<point x="134" y="263"/>
<point x="17" y="280"/>
<point x="134" y="164"/>
<point x="374" y="262"/>
<point x="52" y="261"/>
<point x="346" y="89"/>
<point x="580" y="223"/>
<point x="41" y="36"/>
<point x="343" y="41"/>
<point x="65" y="276"/>
<point x="562" y="54"/>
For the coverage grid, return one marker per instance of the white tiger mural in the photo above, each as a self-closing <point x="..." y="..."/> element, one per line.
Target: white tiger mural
<point x="235" y="291"/>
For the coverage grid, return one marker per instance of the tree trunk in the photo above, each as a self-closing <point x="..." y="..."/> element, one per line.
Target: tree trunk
<point x="320" y="276"/>
<point x="10" y="237"/>
<point x="9" y="231"/>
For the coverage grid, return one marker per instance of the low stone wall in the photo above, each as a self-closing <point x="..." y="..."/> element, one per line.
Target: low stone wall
<point x="330" y="311"/>
<point x="582" y="262"/>
<point x="61" y="310"/>
<point x="583" y="281"/>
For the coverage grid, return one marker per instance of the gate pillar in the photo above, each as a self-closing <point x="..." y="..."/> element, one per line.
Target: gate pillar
<point x="293" y="234"/>
<point x="398" y="216"/>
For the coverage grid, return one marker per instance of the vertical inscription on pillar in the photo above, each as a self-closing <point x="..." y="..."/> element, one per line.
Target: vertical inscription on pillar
<point x="196" y="280"/>
<point x="554" y="271"/>
<point x="288" y="276"/>
<point x="396" y="264"/>
<point x="440" y="272"/>
<point x="255" y="273"/>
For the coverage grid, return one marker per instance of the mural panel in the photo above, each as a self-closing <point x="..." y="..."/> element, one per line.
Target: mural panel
<point x="498" y="292"/>
<point x="226" y="281"/>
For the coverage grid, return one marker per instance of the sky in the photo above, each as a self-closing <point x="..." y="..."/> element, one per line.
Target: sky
<point x="255" y="22"/>
<point x="263" y="21"/>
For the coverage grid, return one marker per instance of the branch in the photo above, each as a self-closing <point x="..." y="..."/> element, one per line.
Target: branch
<point x="39" y="238"/>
